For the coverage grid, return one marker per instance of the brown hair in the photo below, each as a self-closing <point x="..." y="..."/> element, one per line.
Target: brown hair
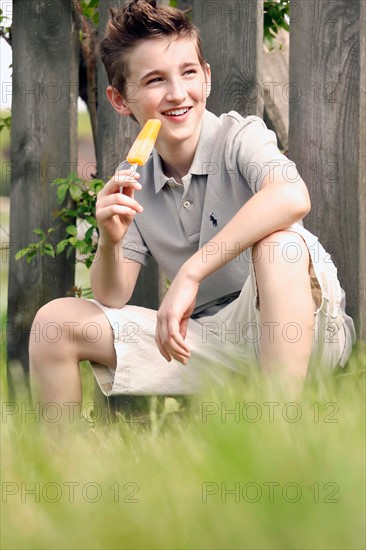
<point x="135" y="22"/>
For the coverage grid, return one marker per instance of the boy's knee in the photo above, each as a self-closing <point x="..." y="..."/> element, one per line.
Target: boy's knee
<point x="53" y="321"/>
<point x="52" y="311"/>
<point x="282" y="245"/>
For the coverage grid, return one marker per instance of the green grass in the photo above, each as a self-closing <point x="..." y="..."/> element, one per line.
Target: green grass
<point x="4" y="156"/>
<point x="5" y="133"/>
<point x="162" y="485"/>
<point x="84" y="127"/>
<point x="4" y="247"/>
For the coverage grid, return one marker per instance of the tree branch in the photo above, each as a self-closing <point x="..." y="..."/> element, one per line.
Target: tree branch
<point x="88" y="49"/>
<point x="6" y="38"/>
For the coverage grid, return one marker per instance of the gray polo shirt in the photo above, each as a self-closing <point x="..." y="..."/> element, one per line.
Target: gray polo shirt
<point x="233" y="156"/>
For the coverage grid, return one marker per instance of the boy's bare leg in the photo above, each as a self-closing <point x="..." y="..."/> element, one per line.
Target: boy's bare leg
<point x="286" y="306"/>
<point x="66" y="331"/>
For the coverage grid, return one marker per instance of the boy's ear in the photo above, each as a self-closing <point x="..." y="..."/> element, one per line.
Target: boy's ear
<point x="117" y="101"/>
<point x="208" y="80"/>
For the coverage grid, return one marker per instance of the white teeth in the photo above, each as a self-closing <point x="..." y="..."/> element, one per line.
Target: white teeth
<point x="177" y="112"/>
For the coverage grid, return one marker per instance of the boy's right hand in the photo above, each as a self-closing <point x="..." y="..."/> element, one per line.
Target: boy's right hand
<point x="116" y="206"/>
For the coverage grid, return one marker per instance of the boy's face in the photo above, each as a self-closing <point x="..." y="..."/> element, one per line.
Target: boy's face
<point x="167" y="82"/>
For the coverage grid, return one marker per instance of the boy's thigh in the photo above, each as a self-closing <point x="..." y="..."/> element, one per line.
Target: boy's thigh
<point x="140" y="368"/>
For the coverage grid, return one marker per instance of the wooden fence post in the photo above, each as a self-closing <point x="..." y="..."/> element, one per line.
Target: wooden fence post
<point x="115" y="135"/>
<point x="232" y="36"/>
<point x="327" y="95"/>
<point x="43" y="147"/>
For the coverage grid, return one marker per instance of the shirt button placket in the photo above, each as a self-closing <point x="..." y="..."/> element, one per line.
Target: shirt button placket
<point x="187" y="217"/>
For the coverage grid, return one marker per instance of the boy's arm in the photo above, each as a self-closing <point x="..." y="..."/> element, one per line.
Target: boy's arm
<point x="276" y="206"/>
<point x="113" y="277"/>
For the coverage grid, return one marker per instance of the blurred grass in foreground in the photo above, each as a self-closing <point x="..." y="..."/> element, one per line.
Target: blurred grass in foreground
<point x="268" y="475"/>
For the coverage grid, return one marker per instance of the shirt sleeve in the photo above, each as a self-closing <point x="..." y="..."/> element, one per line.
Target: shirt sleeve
<point x="134" y="246"/>
<point x="255" y="149"/>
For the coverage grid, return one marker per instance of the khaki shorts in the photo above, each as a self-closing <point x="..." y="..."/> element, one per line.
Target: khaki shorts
<point x="226" y="341"/>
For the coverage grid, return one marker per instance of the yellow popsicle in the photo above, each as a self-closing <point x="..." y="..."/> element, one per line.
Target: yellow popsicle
<point x="144" y="143"/>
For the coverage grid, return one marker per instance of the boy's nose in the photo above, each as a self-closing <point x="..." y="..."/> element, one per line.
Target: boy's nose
<point x="176" y="92"/>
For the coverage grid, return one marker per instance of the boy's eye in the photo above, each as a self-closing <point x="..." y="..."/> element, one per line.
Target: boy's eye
<point x="157" y="79"/>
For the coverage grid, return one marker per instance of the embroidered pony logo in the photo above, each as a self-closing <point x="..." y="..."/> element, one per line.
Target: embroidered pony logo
<point x="213" y="220"/>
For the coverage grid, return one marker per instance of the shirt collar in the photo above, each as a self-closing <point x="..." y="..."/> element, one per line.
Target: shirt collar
<point x="202" y="157"/>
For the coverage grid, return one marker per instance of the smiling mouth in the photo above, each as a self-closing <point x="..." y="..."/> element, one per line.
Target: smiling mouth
<point x="177" y="112"/>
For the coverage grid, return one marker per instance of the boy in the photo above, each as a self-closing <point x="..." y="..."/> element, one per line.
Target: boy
<point x="220" y="209"/>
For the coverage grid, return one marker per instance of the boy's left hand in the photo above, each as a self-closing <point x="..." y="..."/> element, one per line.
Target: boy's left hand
<point x="173" y="316"/>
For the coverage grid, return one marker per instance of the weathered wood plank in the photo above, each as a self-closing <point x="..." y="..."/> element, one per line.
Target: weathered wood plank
<point x="275" y="76"/>
<point x="232" y="35"/>
<point x="43" y="147"/>
<point x="327" y="131"/>
<point x="115" y="136"/>
<point x="362" y="177"/>
<point x="115" y="133"/>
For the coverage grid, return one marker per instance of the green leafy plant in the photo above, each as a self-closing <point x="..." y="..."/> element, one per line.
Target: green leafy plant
<point x="5" y="33"/>
<point x="79" y="198"/>
<point x="44" y="247"/>
<point x="5" y="122"/>
<point x="276" y="17"/>
<point x="89" y="9"/>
